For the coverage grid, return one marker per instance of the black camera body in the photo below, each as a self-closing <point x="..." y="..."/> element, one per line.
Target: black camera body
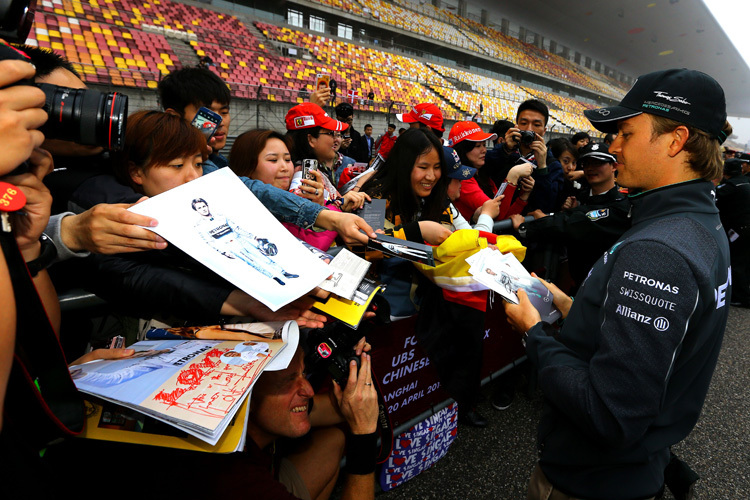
<point x="527" y="137"/>
<point x="331" y="349"/>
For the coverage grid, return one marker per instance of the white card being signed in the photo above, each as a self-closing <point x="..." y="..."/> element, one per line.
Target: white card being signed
<point x="218" y="221"/>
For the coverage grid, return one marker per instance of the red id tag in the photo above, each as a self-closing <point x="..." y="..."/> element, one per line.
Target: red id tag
<point x="11" y="198"/>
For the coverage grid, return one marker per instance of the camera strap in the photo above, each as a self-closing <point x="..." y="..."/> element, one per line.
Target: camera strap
<point x="385" y="427"/>
<point x="42" y="403"/>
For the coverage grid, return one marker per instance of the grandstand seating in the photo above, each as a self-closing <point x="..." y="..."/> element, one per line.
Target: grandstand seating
<point x="390" y="77"/>
<point x="410" y="20"/>
<point x="129" y="43"/>
<point x="448" y="27"/>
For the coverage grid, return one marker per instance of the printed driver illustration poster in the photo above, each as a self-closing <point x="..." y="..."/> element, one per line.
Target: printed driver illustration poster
<point x="218" y="221"/>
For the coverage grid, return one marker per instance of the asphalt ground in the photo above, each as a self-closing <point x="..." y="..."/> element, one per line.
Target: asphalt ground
<point x="496" y="462"/>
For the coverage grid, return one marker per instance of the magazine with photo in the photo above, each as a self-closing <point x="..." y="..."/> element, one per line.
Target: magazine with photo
<point x="195" y="385"/>
<point x="259" y="331"/>
<point x="218" y="221"/>
<point x="504" y="274"/>
<point x="106" y="421"/>
<point x="347" y="271"/>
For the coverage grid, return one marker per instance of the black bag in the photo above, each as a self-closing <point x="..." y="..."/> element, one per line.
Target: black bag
<point x="42" y="403"/>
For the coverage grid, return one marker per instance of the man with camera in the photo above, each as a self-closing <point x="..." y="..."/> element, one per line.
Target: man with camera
<point x="627" y="375"/>
<point x="352" y="143"/>
<point x="525" y="143"/>
<point x="283" y="405"/>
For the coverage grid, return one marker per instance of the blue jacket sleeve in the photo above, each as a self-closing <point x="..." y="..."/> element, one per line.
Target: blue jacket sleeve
<point x="285" y="206"/>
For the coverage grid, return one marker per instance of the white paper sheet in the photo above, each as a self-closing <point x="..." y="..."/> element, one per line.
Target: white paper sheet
<point x="218" y="221"/>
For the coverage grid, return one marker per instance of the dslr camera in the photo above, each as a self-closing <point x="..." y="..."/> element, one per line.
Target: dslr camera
<point x="527" y="137"/>
<point x="83" y="116"/>
<point x="330" y="350"/>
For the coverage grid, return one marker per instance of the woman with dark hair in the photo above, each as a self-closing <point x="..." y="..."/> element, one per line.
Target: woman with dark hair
<point x="161" y="151"/>
<point x="264" y="155"/>
<point x="480" y="192"/>
<point x="574" y="181"/>
<point x="414" y="180"/>
<point x="312" y="134"/>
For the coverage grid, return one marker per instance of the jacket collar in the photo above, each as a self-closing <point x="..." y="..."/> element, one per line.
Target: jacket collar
<point x="696" y="196"/>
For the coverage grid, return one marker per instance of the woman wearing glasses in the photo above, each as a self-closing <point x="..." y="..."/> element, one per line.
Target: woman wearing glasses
<point x="312" y="133"/>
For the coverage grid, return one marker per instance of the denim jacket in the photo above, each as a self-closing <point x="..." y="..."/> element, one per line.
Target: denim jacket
<point x="285" y="206"/>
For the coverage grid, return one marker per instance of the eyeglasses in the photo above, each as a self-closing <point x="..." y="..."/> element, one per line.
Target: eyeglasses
<point x="332" y="134"/>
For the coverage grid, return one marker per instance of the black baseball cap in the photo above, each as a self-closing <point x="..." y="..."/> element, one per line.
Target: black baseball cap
<point x="683" y="95"/>
<point x="733" y="166"/>
<point x="596" y="151"/>
<point x="455" y="169"/>
<point x="344" y="110"/>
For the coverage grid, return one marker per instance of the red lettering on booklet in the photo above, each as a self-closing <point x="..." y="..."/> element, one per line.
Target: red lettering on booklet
<point x="11" y="198"/>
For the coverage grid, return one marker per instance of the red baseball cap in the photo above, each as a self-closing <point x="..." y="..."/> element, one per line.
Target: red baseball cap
<point x="468" y="131"/>
<point x="308" y="115"/>
<point x="429" y="114"/>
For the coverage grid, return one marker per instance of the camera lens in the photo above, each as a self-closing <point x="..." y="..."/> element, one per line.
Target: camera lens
<point x="527" y="137"/>
<point x="85" y="116"/>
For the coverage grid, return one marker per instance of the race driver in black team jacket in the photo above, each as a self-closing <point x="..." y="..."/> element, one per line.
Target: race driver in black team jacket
<point x="627" y="375"/>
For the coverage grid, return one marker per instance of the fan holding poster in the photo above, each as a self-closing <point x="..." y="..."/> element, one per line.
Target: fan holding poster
<point x="218" y="222"/>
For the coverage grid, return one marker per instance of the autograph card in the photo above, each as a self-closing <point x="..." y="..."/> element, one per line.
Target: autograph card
<point x="219" y="222"/>
<point x="415" y="252"/>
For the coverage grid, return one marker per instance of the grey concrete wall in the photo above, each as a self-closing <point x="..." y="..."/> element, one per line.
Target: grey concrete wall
<point x="249" y="114"/>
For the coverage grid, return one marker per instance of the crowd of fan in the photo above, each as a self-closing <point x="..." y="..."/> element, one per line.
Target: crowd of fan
<point x="433" y="183"/>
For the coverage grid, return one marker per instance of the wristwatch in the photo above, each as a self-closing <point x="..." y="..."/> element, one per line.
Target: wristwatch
<point x="47" y="254"/>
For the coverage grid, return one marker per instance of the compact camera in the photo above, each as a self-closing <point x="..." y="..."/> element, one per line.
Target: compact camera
<point x="527" y="137"/>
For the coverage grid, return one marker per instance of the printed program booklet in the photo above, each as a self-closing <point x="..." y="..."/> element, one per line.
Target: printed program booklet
<point x="347" y="272"/>
<point x="195" y="385"/>
<point x="504" y="274"/>
<point x="107" y="421"/>
<point x="351" y="312"/>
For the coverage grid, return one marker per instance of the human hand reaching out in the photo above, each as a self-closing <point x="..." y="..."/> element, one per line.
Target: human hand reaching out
<point x="109" y="229"/>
